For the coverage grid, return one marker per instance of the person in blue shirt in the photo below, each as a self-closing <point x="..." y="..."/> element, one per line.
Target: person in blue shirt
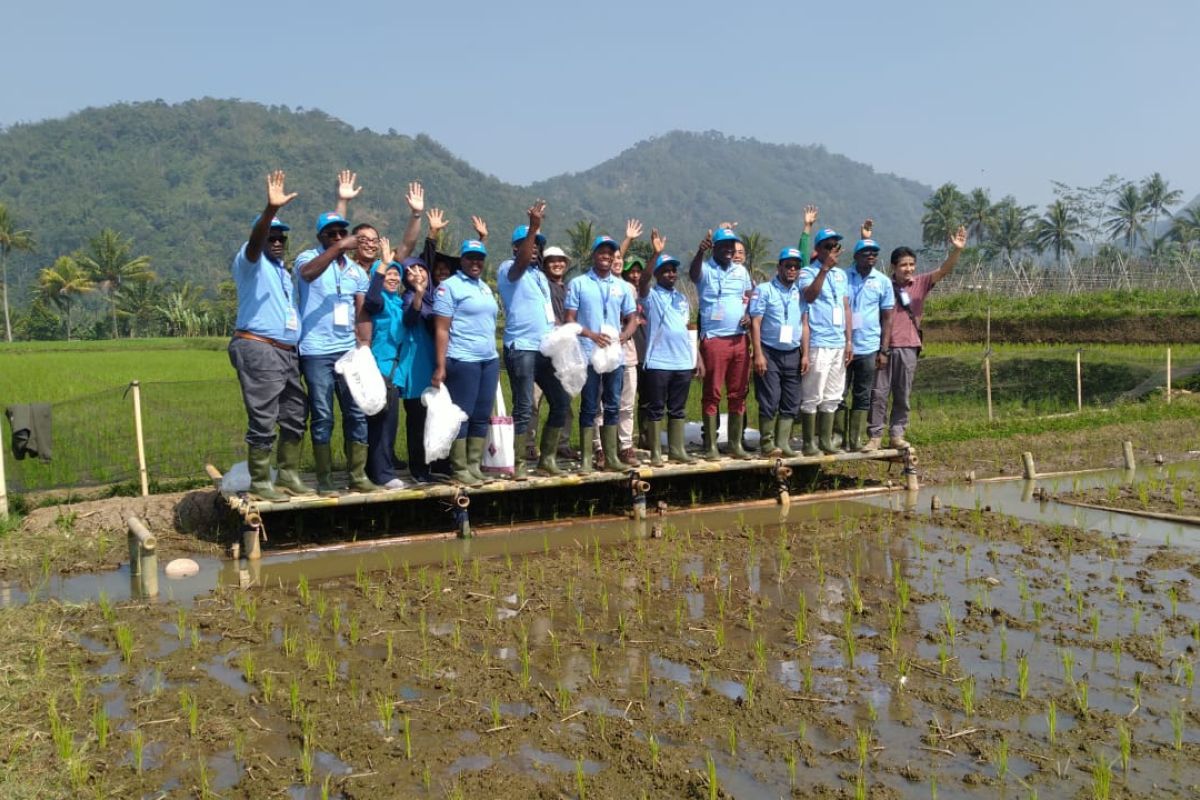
<point x="779" y="330"/>
<point x="263" y="351"/>
<point x="669" y="362"/>
<point x="600" y="302"/>
<point x="871" y="302"/>
<point x="826" y="292"/>
<point x="466" y="361"/>
<point x="528" y="317"/>
<point x="724" y="288"/>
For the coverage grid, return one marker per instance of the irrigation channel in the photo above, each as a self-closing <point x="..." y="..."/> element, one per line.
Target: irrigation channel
<point x="1006" y="644"/>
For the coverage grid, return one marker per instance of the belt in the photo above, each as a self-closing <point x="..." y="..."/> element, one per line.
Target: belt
<point x="254" y="337"/>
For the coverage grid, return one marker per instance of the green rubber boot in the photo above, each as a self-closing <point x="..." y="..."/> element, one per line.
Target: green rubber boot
<point x="612" y="449"/>
<point x="548" y="461"/>
<point x="520" y="446"/>
<point x="258" y="460"/>
<point x="838" y="437"/>
<point x="458" y="464"/>
<point x="654" y="440"/>
<point x="323" y="455"/>
<point x="587" y="440"/>
<point x="858" y="422"/>
<point x="737" y="427"/>
<point x="356" y="469"/>
<point x="287" y="458"/>
<point x="825" y="433"/>
<point x="808" y="427"/>
<point x="677" y="443"/>
<point x="766" y="437"/>
<point x="711" y="453"/>
<point x="783" y="437"/>
<point x="475" y="445"/>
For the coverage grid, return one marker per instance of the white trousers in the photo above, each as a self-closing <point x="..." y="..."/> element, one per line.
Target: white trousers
<point x="822" y="387"/>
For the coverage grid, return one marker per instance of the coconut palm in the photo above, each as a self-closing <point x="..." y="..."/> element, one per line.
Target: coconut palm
<point x="1128" y="216"/>
<point x="944" y="215"/>
<point x="758" y="254"/>
<point x="138" y="302"/>
<point x="1057" y="230"/>
<point x="1157" y="194"/>
<point x="978" y="213"/>
<point x="1009" y="233"/>
<point x="12" y="240"/>
<point x="110" y="264"/>
<point x="62" y="283"/>
<point x="1185" y="228"/>
<point x="580" y="236"/>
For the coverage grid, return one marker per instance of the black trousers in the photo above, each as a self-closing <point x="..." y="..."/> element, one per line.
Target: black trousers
<point x="778" y="390"/>
<point x="665" y="387"/>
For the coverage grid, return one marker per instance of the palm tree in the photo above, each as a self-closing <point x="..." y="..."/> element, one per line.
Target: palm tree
<point x="978" y="214"/>
<point x="1185" y="228"/>
<point x="11" y="240"/>
<point x="138" y="302"/>
<point x="944" y="214"/>
<point x="1010" y="233"/>
<point x="109" y="263"/>
<point x="1157" y="195"/>
<point x="580" y="236"/>
<point x="758" y="253"/>
<point x="62" y="283"/>
<point x="1057" y="230"/>
<point x="1128" y="220"/>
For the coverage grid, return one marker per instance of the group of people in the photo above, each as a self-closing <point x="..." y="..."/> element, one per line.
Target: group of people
<point x="431" y="321"/>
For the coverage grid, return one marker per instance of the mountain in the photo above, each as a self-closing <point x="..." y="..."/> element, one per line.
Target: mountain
<point x="185" y="180"/>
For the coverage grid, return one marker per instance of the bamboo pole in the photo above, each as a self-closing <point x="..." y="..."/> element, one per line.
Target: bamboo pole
<point x="1030" y="469"/>
<point x="1168" y="375"/>
<point x="987" y="377"/>
<point x="1127" y="451"/>
<point x="1079" y="379"/>
<point x="141" y="443"/>
<point x="3" y="488"/>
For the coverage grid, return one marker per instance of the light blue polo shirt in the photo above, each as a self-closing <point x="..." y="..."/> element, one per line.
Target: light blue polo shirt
<point x="868" y="297"/>
<point x="322" y="331"/>
<point x="472" y="309"/>
<point x="265" y="298"/>
<point x="668" y="341"/>
<point x="781" y="309"/>
<point x="826" y="314"/>
<point x="528" y="310"/>
<point x="598" y="302"/>
<point x="722" y="298"/>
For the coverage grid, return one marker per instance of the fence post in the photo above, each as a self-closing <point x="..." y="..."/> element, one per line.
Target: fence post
<point x="1168" y="375"/>
<point x="3" y="485"/>
<point x="987" y="377"/>
<point x="1079" y="379"/>
<point x="141" y="443"/>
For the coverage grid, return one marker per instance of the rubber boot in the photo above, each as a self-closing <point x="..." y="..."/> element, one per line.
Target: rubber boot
<point x="858" y="421"/>
<point x="711" y="423"/>
<point x="520" y="446"/>
<point x="838" y="437"/>
<point x="654" y="433"/>
<point x="737" y="426"/>
<point x="287" y="458"/>
<point x="808" y="427"/>
<point x="356" y="479"/>
<point x="323" y="454"/>
<point x="458" y="464"/>
<point x="825" y="433"/>
<point x="783" y="437"/>
<point x="677" y="443"/>
<point x="548" y="461"/>
<point x="612" y="449"/>
<point x="873" y="444"/>
<point x="259" y="462"/>
<point x="766" y="437"/>
<point x="475" y="445"/>
<point x="587" y="439"/>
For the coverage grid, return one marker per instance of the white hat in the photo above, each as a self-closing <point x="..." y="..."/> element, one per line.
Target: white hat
<point x="555" y="252"/>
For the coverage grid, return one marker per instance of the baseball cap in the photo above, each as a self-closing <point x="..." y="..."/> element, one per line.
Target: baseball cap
<point x="631" y="263"/>
<point x="521" y="231"/>
<point x="554" y="252"/>
<point x="866" y="244"/>
<point x="472" y="246"/>
<point x="663" y="260"/>
<point x="726" y="235"/>
<point x="826" y="233"/>
<point x="790" y="252"/>
<point x="276" y="222"/>
<point x="330" y="218"/>
<point x="602" y="240"/>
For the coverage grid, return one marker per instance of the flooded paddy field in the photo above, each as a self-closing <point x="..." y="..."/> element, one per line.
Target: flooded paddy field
<point x="996" y="647"/>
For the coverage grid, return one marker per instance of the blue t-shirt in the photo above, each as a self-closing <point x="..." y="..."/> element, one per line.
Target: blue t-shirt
<point x="265" y="304"/>
<point x="598" y="302"/>
<point x="528" y="308"/>
<point x="472" y="309"/>
<point x="868" y="297"/>
<point x="325" y="328"/>
<point x="826" y="314"/>
<point x="668" y="341"/>
<point x="722" y="298"/>
<point x="781" y="309"/>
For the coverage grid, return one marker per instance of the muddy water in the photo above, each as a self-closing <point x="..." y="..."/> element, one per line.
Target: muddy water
<point x="845" y="647"/>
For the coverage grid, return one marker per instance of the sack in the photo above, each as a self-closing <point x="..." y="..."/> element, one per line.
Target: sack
<point x="498" y="451"/>
<point x="442" y="422"/>
<point x="562" y="347"/>
<point x="607" y="359"/>
<point x="362" y="376"/>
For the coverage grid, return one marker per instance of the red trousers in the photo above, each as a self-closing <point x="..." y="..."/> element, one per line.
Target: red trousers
<point x="726" y="364"/>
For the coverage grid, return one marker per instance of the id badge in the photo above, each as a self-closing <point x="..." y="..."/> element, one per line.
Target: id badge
<point x="550" y="312"/>
<point x="856" y="320"/>
<point x="341" y="315"/>
<point x="839" y="316"/>
<point x="904" y="298"/>
<point x="785" y="334"/>
<point x="293" y="322"/>
<point x="718" y="312"/>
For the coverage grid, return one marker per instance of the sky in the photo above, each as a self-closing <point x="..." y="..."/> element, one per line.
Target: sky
<point x="1005" y="95"/>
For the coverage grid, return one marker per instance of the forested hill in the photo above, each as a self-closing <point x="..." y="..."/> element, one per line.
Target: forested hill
<point x="185" y="180"/>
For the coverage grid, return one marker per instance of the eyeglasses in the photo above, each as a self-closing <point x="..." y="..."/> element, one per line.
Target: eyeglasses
<point x="368" y="239"/>
<point x="337" y="233"/>
<point x="277" y="239"/>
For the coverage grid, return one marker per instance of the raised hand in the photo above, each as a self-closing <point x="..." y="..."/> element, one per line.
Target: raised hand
<point x="658" y="242"/>
<point x="864" y="232"/>
<point x="706" y="242"/>
<point x="416" y="198"/>
<point x="536" y="212"/>
<point x="277" y="196"/>
<point x="481" y="229"/>
<point x="417" y="278"/>
<point x="810" y="214"/>
<point x="346" y="188"/>
<point x="437" y="221"/>
<point x="633" y="228"/>
<point x="959" y="240"/>
<point x="385" y="251"/>
<point x="347" y="243"/>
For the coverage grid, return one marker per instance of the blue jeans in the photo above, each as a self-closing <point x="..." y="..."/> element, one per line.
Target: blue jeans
<point x="472" y="387"/>
<point x="322" y="381"/>
<point x="525" y="368"/>
<point x="602" y="390"/>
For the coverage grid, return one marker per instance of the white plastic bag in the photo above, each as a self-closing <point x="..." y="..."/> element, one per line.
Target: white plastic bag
<point x="442" y="421"/>
<point x="499" y="448"/>
<point x="362" y="376"/>
<point x="607" y="359"/>
<point x="562" y="347"/>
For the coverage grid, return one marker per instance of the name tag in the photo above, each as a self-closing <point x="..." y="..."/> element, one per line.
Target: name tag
<point x="341" y="315"/>
<point x="718" y="312"/>
<point x="856" y="320"/>
<point x="550" y="312"/>
<point x="785" y="334"/>
<point x="904" y="298"/>
<point x="293" y="322"/>
<point x="839" y="316"/>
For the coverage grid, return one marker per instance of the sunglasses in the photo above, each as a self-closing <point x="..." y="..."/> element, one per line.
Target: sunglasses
<point x="337" y="233"/>
<point x="277" y="239"/>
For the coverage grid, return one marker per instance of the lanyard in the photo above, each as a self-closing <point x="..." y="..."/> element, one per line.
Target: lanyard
<point x="787" y="300"/>
<point x="604" y="286"/>
<point x="861" y="287"/>
<point x="285" y="281"/>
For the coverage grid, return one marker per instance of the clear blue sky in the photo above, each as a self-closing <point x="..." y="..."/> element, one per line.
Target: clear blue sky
<point x="1002" y="94"/>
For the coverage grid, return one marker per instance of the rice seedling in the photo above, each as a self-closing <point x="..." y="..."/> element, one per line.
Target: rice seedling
<point x="1116" y="657"/>
<point x="307" y="761"/>
<point x="653" y="744"/>
<point x="267" y="682"/>
<point x="326" y="786"/>
<point x="1022" y="677"/>
<point x="294" y="699"/>
<point x="1002" y="759"/>
<point x="322" y="606"/>
<point x="580" y="779"/>
<point x="302" y="590"/>
<point x="1173" y="599"/>
<point x="760" y="653"/>
<point x="860" y="786"/>
<point x="106" y="607"/>
<point x="1177" y="720"/>
<point x="124" y="636"/>
<point x="331" y="672"/>
<point x="563" y="701"/>
<point x="312" y="653"/>
<point x="389" y="641"/>
<point x="808" y="677"/>
<point x="1102" y="775"/>
<point x="1003" y="644"/>
<point x="407" y="727"/>
<point x="595" y="671"/>
<point x="1125" y="739"/>
<point x="791" y="768"/>
<point x="248" y="667"/>
<point x="948" y="621"/>
<point x="239" y="746"/>
<point x="1067" y="656"/>
<point x="967" y="692"/>
<point x="354" y="632"/>
<point x="943" y="655"/>
<point x="856" y="599"/>
<point x="60" y="733"/>
<point x="749" y="686"/>
<point x="714" y="789"/>
<point x="681" y="704"/>
<point x="1081" y="697"/>
<point x="731" y="740"/>
<point x="1051" y="721"/>
<point x="848" y="639"/>
<point x="862" y="737"/>
<point x="191" y="711"/>
<point x="719" y="636"/>
<point x="137" y="746"/>
<point x="800" y="627"/>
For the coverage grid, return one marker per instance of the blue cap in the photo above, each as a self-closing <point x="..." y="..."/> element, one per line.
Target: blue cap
<point x="664" y="260"/>
<point x="726" y="235"/>
<point x="472" y="246"/>
<point x="790" y="252"/>
<point x="521" y="231"/>
<point x="600" y="241"/>
<point x="866" y="244"/>
<point x="276" y="222"/>
<point x="826" y="233"/>
<point x="330" y="218"/>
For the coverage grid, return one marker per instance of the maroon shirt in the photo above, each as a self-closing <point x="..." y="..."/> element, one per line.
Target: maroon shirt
<point x="904" y="333"/>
